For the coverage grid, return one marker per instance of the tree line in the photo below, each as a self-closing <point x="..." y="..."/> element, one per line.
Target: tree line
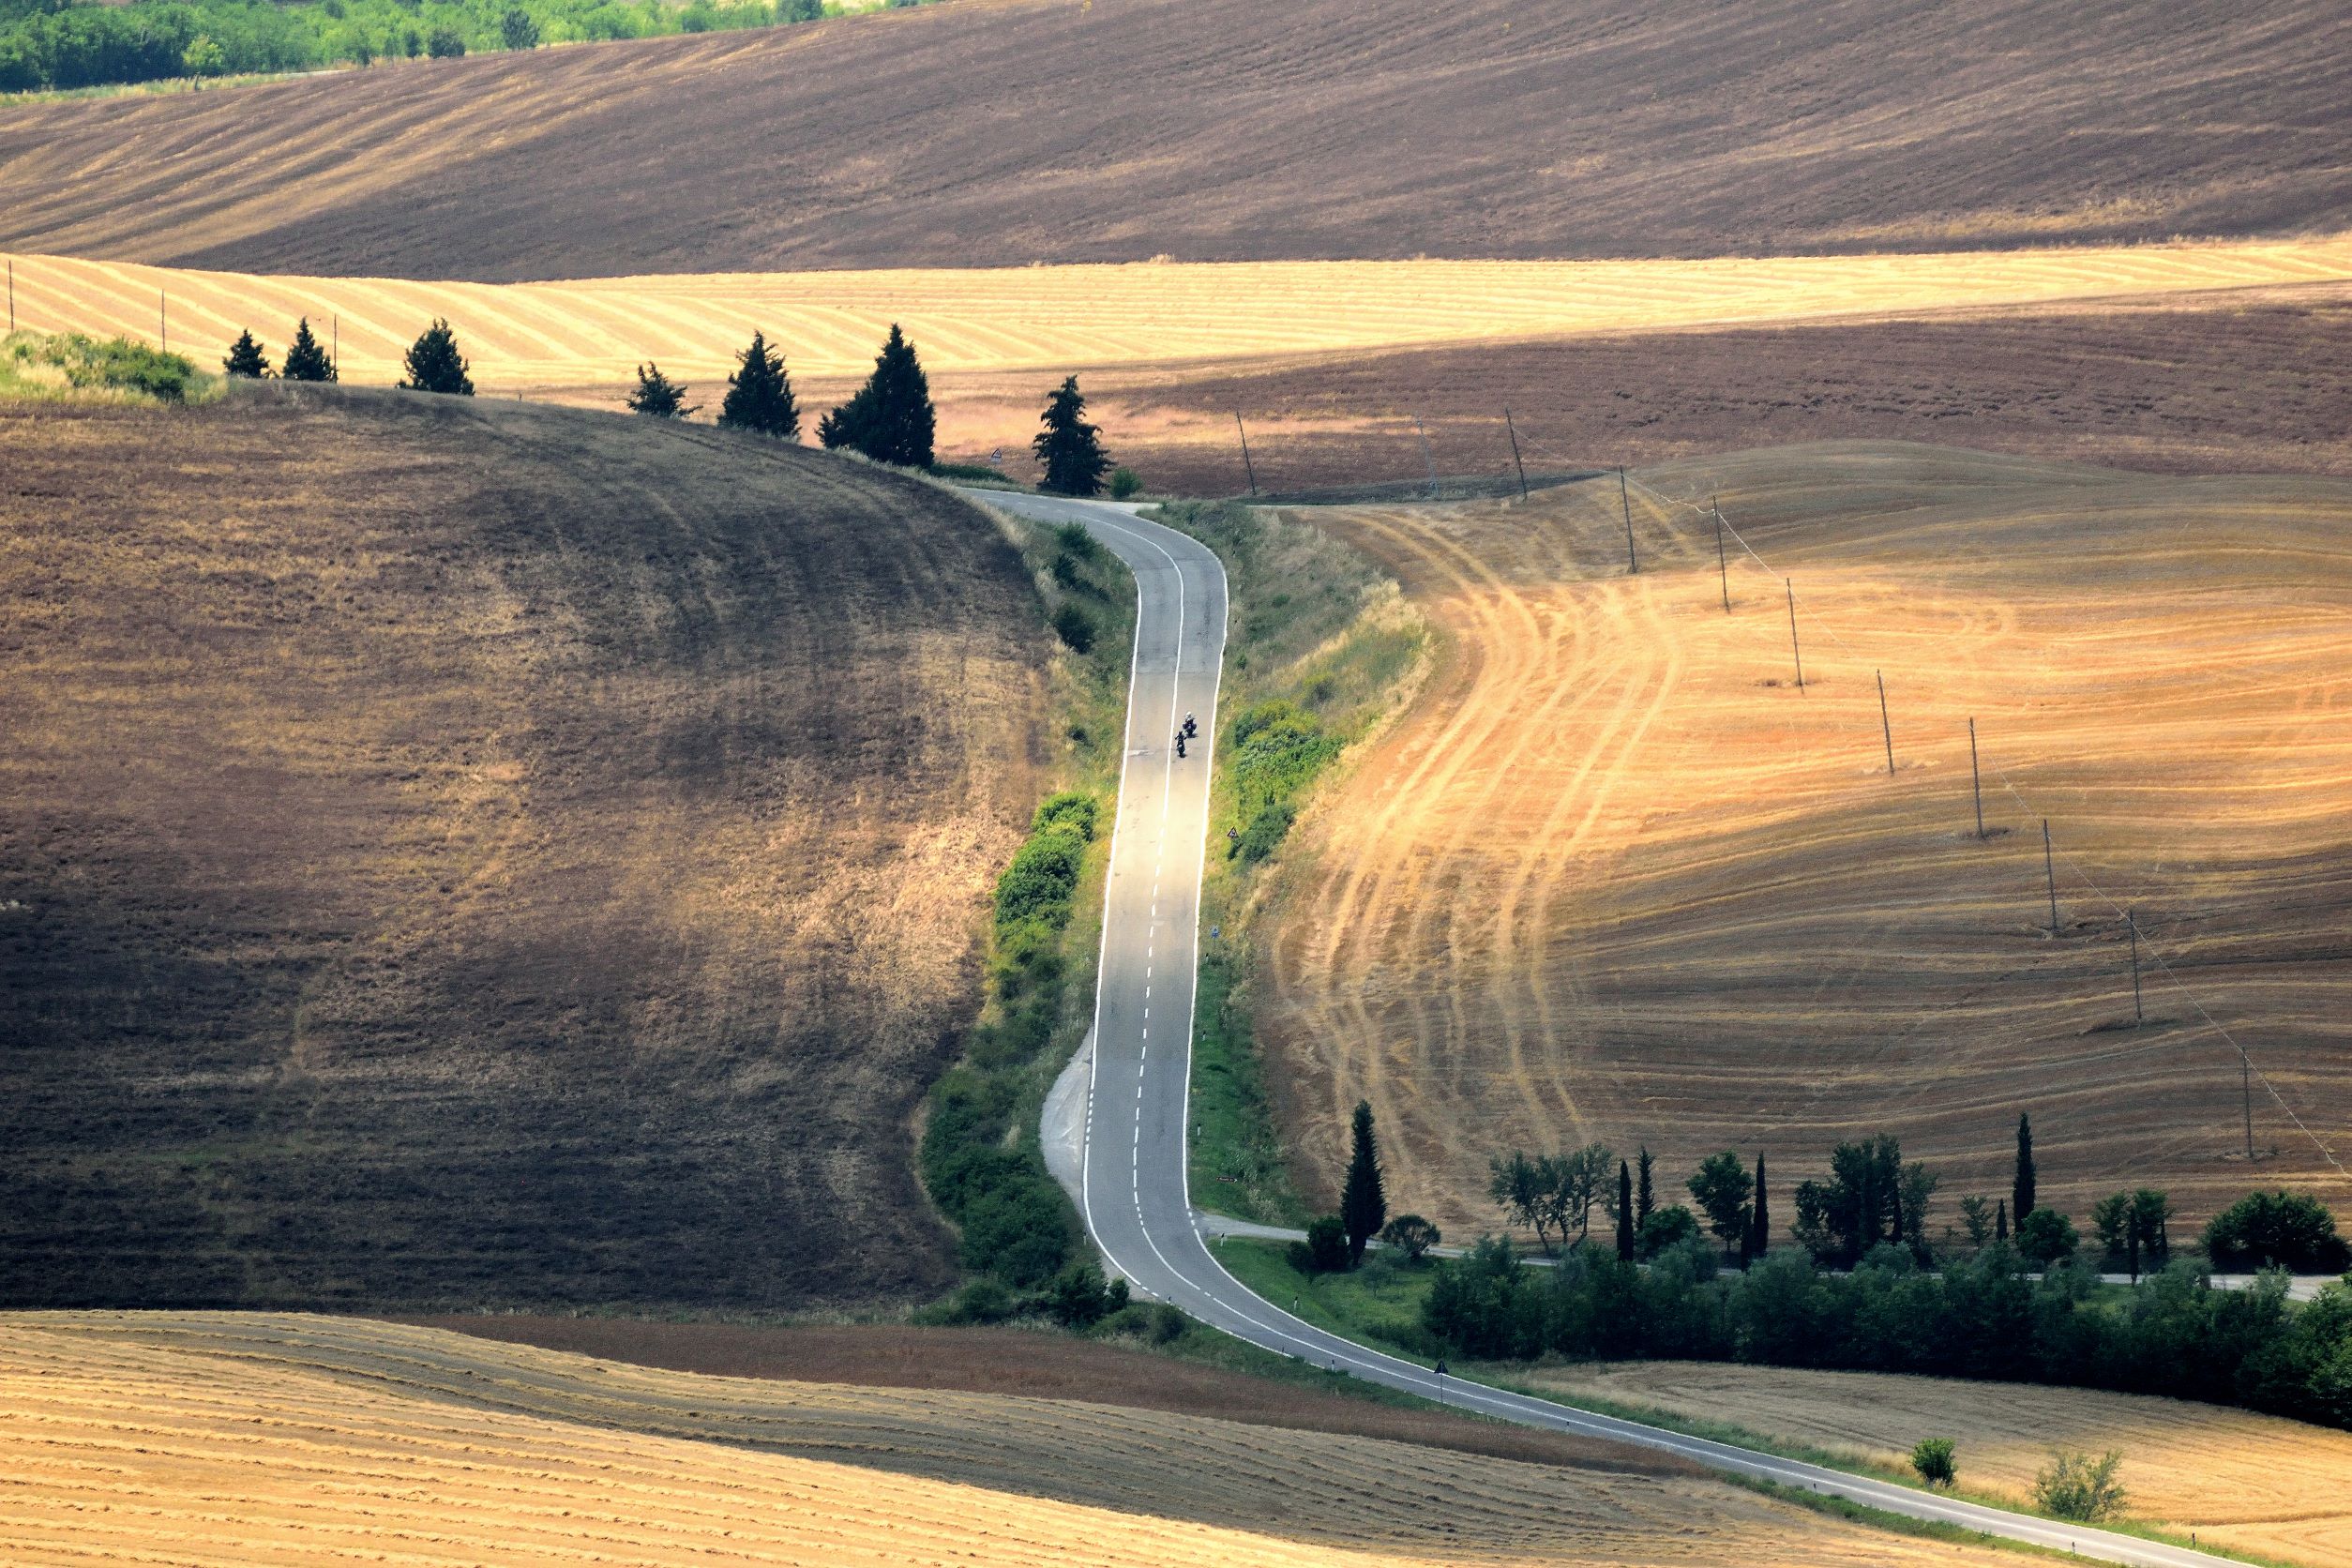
<point x="890" y="419"/>
<point x="67" y="44"/>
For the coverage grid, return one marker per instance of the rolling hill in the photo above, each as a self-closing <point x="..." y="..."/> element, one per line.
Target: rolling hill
<point x="262" y="1439"/>
<point x="458" y="851"/>
<point x="1616" y="877"/>
<point x="1005" y="133"/>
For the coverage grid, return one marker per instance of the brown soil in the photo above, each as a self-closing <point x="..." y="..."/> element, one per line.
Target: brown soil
<point x="1616" y="878"/>
<point x="455" y="851"/>
<point x="2212" y="384"/>
<point x="999" y="132"/>
<point x="1042" y="1367"/>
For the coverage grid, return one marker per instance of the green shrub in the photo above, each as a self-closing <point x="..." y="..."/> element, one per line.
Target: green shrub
<point x="1077" y="540"/>
<point x="1125" y="482"/>
<point x="116" y="364"/>
<point x="966" y="471"/>
<point x="1074" y="627"/>
<point x="1076" y="1298"/>
<point x="1265" y="832"/>
<point x="2044" y="1236"/>
<point x="1665" y="1228"/>
<point x="1042" y="880"/>
<point x="1327" y="1244"/>
<point x="1932" y="1458"/>
<point x="1020" y="1233"/>
<point x="2287" y="1229"/>
<point x="1410" y="1235"/>
<point x="444" y="43"/>
<point x="2077" y="1486"/>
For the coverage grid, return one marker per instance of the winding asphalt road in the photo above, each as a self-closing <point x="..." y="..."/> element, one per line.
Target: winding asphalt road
<point x="1134" y="1172"/>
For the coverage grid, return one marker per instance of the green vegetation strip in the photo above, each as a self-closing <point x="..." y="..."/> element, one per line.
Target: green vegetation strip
<point x="68" y="366"/>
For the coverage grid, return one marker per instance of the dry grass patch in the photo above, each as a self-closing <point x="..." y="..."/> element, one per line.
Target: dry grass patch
<point x="258" y="1439"/>
<point x="2253" y="1483"/>
<point x="1617" y="877"/>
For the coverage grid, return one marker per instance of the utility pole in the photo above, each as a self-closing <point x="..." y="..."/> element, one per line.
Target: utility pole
<point x="2049" y="875"/>
<point x="334" y="353"/>
<point x="2245" y="1085"/>
<point x="1247" y="467"/>
<point x="1976" y="779"/>
<point x="1425" y="457"/>
<point x="1723" y="572"/>
<point x="1516" y="465"/>
<point x="1792" y="632"/>
<point x="2130" y="923"/>
<point x="162" y="322"/>
<point x="11" y="296"/>
<point x="1626" y="501"/>
<point x="1885" y="728"/>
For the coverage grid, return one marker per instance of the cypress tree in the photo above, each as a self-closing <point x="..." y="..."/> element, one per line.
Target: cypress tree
<point x="434" y="364"/>
<point x="1759" y="1218"/>
<point x="1068" y="445"/>
<point x="890" y="419"/>
<point x="2000" y="1221"/>
<point x="1643" y="1200"/>
<point x="1362" y="1206"/>
<point x="2021" y="1195"/>
<point x="760" y="394"/>
<point x="1624" y="1212"/>
<point x="245" y="358"/>
<point x="658" y="395"/>
<point x="305" y="359"/>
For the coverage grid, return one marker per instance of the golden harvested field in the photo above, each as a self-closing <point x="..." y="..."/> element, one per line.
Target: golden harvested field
<point x="2253" y="1483"/>
<point x="1004" y="132"/>
<point x="1617" y="877"/>
<point x="586" y="338"/>
<point x="458" y="852"/>
<point x="248" y="1439"/>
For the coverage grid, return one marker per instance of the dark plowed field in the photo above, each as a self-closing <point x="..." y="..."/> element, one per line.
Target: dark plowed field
<point x="998" y="132"/>
<point x="458" y="852"/>
<point x="2226" y="385"/>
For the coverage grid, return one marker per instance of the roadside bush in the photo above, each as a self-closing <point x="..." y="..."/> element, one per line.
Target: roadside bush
<point x="2285" y="1229"/>
<point x="117" y="363"/>
<point x="1125" y="482"/>
<point x="2077" y="1486"/>
<point x="1326" y="1245"/>
<point x="1075" y="626"/>
<point x="1265" y="832"/>
<point x="1932" y="1458"/>
<point x="966" y="471"/>
<point x="1410" y="1235"/>
<point x="1077" y="1299"/>
<point x="1669" y="1227"/>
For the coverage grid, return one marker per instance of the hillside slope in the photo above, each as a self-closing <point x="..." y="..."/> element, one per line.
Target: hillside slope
<point x="1000" y="132"/>
<point x="279" y="1439"/>
<point x="463" y="851"/>
<point x="1617" y="877"/>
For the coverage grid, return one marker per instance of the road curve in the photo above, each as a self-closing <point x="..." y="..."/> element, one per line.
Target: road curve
<point x="1135" y="1178"/>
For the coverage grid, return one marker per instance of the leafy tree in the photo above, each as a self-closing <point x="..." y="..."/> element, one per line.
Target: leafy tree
<point x="1721" y="1188"/>
<point x="245" y="358"/>
<point x="760" y="394"/>
<point x="1665" y="1228"/>
<point x="2077" y="1486"/>
<point x="1841" y="1219"/>
<point x="1913" y="1189"/>
<point x="1518" y="1186"/>
<point x="516" y="30"/>
<point x="1976" y="1217"/>
<point x="445" y="44"/>
<point x="1932" y="1458"/>
<point x="2020" y="1196"/>
<point x="890" y="418"/>
<point x="1125" y="482"/>
<point x="1068" y="445"/>
<point x="1573" y="1184"/>
<point x="2289" y="1230"/>
<point x="2151" y="1228"/>
<point x="2044" y="1236"/>
<point x="1410" y="1235"/>
<point x="1362" y="1205"/>
<point x="658" y="395"/>
<point x="1076" y="1298"/>
<point x="204" y="57"/>
<point x="1624" y="1211"/>
<point x="305" y="359"/>
<point x="434" y="364"/>
<point x="1644" y="1198"/>
<point x="1759" y="1235"/>
<point x="1327" y="1244"/>
<point x="2111" y="1222"/>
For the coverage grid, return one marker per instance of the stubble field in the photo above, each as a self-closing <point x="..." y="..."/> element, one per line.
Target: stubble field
<point x="2253" y="1483"/>
<point x="1618" y="878"/>
<point x="456" y="852"/>
<point x="250" y="1440"/>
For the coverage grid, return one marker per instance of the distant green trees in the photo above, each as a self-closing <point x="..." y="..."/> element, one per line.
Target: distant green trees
<point x="890" y="418"/>
<point x="245" y="358"/>
<point x="516" y="29"/>
<point x="434" y="364"/>
<point x="657" y="397"/>
<point x="1069" y="446"/>
<point x="305" y="359"/>
<point x="2286" y="1229"/>
<point x="1362" y="1200"/>
<point x="760" y="394"/>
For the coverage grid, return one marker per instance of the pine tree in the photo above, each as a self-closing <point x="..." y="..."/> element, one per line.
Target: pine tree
<point x="659" y="396"/>
<point x="305" y="359"/>
<point x="890" y="419"/>
<point x="1362" y="1206"/>
<point x="245" y="358"/>
<point x="1643" y="1200"/>
<point x="2021" y="1195"/>
<point x="1074" y="458"/>
<point x="1760" y="1220"/>
<point x="1624" y="1212"/>
<point x="760" y="394"/>
<point x="434" y="364"/>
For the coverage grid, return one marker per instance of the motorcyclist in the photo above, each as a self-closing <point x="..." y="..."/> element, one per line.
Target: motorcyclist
<point x="1179" y="743"/>
<point x="1191" y="728"/>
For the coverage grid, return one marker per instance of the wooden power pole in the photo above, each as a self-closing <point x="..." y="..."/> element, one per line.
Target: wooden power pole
<point x="1429" y="461"/>
<point x="2130" y="923"/>
<point x="2049" y="875"/>
<point x="1517" y="466"/>
<point x="1625" y="504"/>
<point x="1976" y="780"/>
<point x="1793" y="649"/>
<point x="1247" y="467"/>
<point x="1723" y="572"/>
<point x="1885" y="728"/>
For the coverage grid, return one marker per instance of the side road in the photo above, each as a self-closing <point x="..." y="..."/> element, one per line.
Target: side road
<point x="1131" y="1178"/>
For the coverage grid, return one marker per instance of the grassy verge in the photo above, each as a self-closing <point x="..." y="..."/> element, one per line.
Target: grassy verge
<point x="67" y="367"/>
<point x="980" y="1156"/>
<point x="1322" y="649"/>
